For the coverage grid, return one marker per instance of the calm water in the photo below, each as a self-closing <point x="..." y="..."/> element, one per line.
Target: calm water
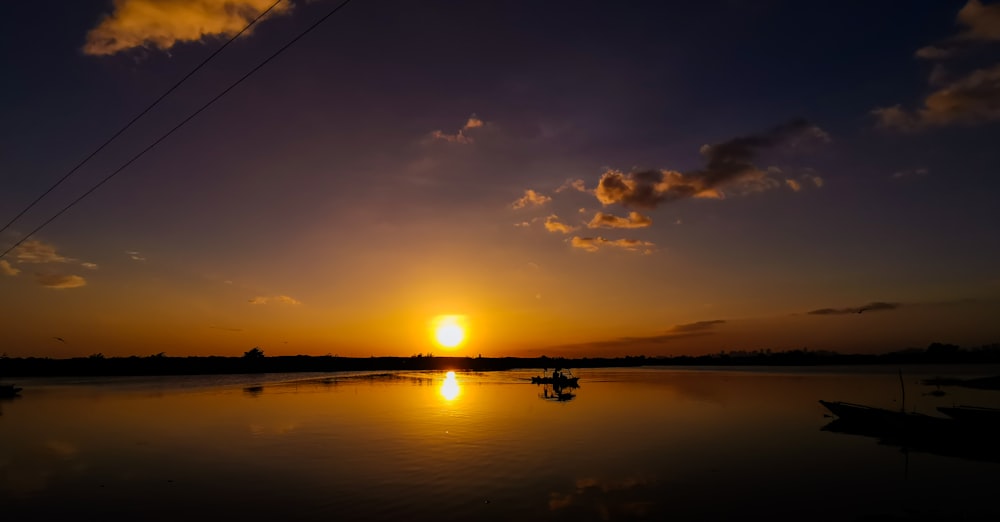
<point x="632" y="444"/>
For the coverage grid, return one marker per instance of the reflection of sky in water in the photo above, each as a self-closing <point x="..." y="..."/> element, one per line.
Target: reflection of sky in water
<point x="635" y="444"/>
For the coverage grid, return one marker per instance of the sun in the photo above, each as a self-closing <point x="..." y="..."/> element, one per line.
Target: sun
<point x="449" y="330"/>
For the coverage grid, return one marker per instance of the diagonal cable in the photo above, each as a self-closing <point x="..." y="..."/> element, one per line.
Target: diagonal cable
<point x="179" y="125"/>
<point x="137" y="117"/>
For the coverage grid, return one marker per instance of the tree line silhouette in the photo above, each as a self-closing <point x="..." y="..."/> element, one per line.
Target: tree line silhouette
<point x="256" y="361"/>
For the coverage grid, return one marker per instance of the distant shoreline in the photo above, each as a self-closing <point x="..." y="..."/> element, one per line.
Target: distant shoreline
<point x="256" y="362"/>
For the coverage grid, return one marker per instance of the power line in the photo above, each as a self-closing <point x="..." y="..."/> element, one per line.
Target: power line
<point x="137" y="116"/>
<point x="179" y="125"/>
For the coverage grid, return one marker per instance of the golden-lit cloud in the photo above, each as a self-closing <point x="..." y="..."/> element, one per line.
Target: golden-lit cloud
<point x="552" y="224"/>
<point x="634" y="220"/>
<point x="870" y="307"/>
<point x="462" y="136"/>
<point x="7" y="269"/>
<point x="135" y="256"/>
<point x="727" y="165"/>
<point x="530" y="199"/>
<point x="794" y="185"/>
<point x="278" y="299"/>
<point x="161" y="24"/>
<point x="974" y="98"/>
<point x="60" y="281"/>
<point x="968" y="98"/>
<point x="35" y="251"/>
<point x="593" y="244"/>
<point x="89" y="266"/>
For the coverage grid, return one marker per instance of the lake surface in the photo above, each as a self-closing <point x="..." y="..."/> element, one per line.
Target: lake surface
<point x="632" y="444"/>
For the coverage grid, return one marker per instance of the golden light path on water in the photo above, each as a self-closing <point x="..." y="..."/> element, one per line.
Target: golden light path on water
<point x="450" y="388"/>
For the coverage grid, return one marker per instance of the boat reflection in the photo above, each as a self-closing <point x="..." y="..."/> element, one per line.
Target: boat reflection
<point x="450" y="388"/>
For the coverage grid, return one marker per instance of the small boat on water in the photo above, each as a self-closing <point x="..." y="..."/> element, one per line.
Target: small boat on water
<point x="557" y="379"/>
<point x="974" y="416"/>
<point x="560" y="381"/>
<point x="870" y="416"/>
<point x="9" y="390"/>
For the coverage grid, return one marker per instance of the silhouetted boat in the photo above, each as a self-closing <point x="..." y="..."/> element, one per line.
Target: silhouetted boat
<point x="918" y="432"/>
<point x="9" y="390"/>
<point x="974" y="416"/>
<point x="879" y="418"/>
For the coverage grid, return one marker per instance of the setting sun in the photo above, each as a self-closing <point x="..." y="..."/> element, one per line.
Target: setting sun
<point x="449" y="330"/>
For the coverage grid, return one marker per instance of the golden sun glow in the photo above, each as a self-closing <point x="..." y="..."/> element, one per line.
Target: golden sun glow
<point x="449" y="330"/>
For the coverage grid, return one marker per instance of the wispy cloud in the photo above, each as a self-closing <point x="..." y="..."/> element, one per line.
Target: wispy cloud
<point x="634" y="220"/>
<point x="35" y="251"/>
<point x="60" y="281"/>
<point x="552" y="224"/>
<point x="134" y="255"/>
<point x="678" y="331"/>
<point x="728" y="165"/>
<point x="161" y="24"/>
<point x="7" y="269"/>
<point x="593" y="244"/>
<point x="278" y="299"/>
<point x="870" y="307"/>
<point x="530" y="199"/>
<point x="575" y="184"/>
<point x="462" y="136"/>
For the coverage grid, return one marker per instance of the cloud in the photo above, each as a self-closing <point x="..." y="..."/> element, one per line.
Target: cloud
<point x="531" y="198"/>
<point x="89" y="266"/>
<point x="552" y="224"/>
<point x="135" y="256"/>
<point x="699" y="326"/>
<point x="60" y="281"/>
<point x="982" y="22"/>
<point x="284" y="299"/>
<point x="634" y="220"/>
<point x="593" y="244"/>
<point x="7" y="269"/>
<point x="794" y="185"/>
<point x="969" y="99"/>
<point x="278" y="299"/>
<point x="728" y="164"/>
<point x="161" y="24"/>
<point x="870" y="307"/>
<point x="462" y="136"/>
<point x="972" y="99"/>
<point x="675" y="332"/>
<point x="35" y="251"/>
<point x="576" y="184"/>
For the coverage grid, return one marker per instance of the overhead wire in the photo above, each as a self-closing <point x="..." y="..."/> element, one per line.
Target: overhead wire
<point x="137" y="117"/>
<point x="183" y="122"/>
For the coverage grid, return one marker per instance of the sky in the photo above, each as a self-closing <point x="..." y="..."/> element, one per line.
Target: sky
<point x="560" y="178"/>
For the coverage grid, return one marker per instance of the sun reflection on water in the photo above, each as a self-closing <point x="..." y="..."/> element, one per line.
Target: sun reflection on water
<point x="449" y="388"/>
